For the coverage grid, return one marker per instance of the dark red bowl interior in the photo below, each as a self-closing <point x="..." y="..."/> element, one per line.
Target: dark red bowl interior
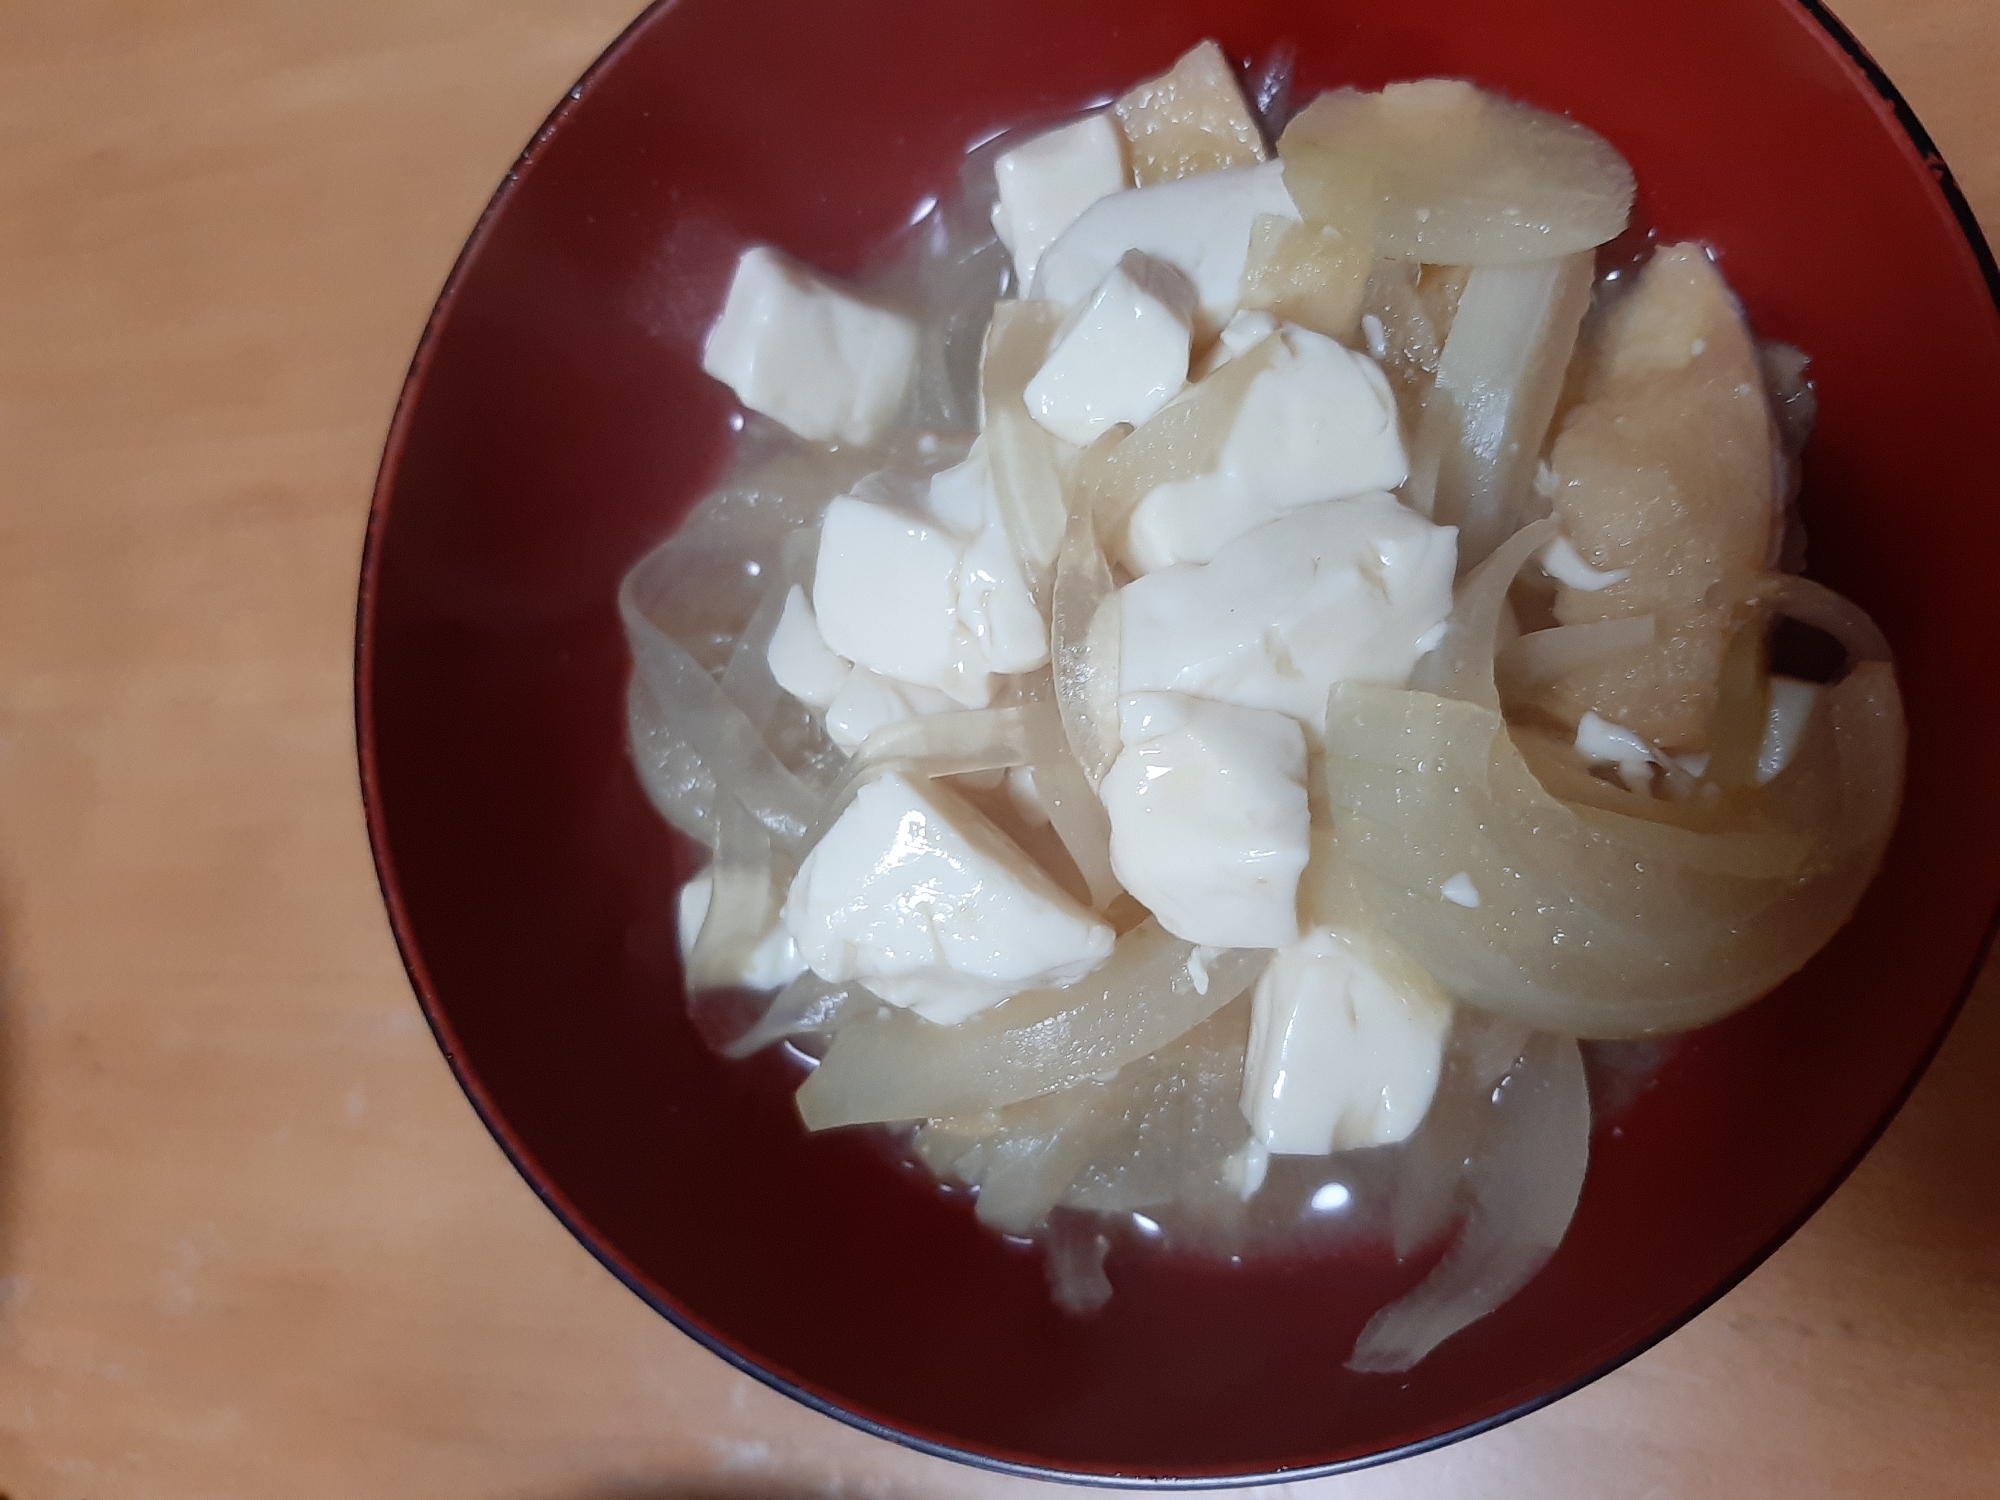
<point x="556" y="426"/>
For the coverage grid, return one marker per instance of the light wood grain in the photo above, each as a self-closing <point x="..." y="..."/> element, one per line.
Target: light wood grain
<point x="252" y="1241"/>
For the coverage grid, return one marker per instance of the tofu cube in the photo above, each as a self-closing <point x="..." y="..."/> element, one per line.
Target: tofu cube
<point x="917" y="896"/>
<point x="1120" y="356"/>
<point x="1209" y="824"/>
<point x="829" y="366"/>
<point x="934" y="598"/>
<point x="799" y="657"/>
<point x="1045" y="183"/>
<point x="1342" y="591"/>
<point x="1198" y="225"/>
<point x="1346" y="1044"/>
<point x="1319" y="423"/>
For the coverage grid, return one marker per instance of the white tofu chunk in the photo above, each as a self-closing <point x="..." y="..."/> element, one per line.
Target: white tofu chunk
<point x="886" y="594"/>
<point x="1045" y="183"/>
<point x="799" y="657"/>
<point x="1120" y="356"/>
<point x="1344" y="1051"/>
<point x="917" y="896"/>
<point x="1342" y="591"/>
<point x="1000" y="624"/>
<point x="1319" y="424"/>
<point x="826" y="364"/>
<point x="1200" y="225"/>
<point x="868" y="701"/>
<point x="772" y="964"/>
<point x="915" y="597"/>
<point x="1209" y="824"/>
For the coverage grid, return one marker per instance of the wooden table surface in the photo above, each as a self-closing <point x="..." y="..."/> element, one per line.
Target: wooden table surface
<point x="253" y="1242"/>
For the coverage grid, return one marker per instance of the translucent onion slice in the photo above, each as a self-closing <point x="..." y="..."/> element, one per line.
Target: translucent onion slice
<point x="1594" y="923"/>
<point x="1525" y="1177"/>
<point x="807" y="1007"/>
<point x="795" y="734"/>
<point x="1170" y="1123"/>
<point x="1084" y="638"/>
<point x="1023" y="1164"/>
<point x="1461" y="665"/>
<point x="1483" y="1049"/>
<point x="900" y="1067"/>
<point x="693" y="707"/>
<point x="1441" y="172"/>
<point x="1486" y="418"/>
<point x="1541" y="657"/>
<point x="947" y="744"/>
<point x="743" y="903"/>
<point x="1074" y="812"/>
<point x="675" y="779"/>
<point x="1024" y="458"/>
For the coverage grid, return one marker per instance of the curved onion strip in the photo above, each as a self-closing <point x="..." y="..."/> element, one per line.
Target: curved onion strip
<point x="742" y="904"/>
<point x="1543" y="656"/>
<point x="679" y="784"/>
<point x="1022" y="455"/>
<point x="1526" y="1176"/>
<point x="1086" y="661"/>
<point x="1592" y="923"/>
<point x="717" y="732"/>
<point x="787" y="725"/>
<point x="1440" y="172"/>
<point x="1817" y="605"/>
<point x="1078" y="818"/>
<point x="1022" y="1167"/>
<point x="1486" y="418"/>
<point x="948" y="744"/>
<point x="901" y="1067"/>
<point x="808" y="1005"/>
<point x="1483" y="1048"/>
<point x="1462" y="665"/>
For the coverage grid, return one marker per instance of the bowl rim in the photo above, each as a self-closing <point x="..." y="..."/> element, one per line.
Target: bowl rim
<point x="1887" y="99"/>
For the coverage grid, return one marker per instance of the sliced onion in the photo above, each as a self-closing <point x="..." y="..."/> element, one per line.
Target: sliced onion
<point x="1084" y="625"/>
<point x="1482" y="1050"/>
<point x="1023" y="1165"/>
<point x="808" y="1006"/>
<point x="948" y="744"/>
<point x="1486" y="418"/>
<point x="1593" y="923"/>
<point x="676" y="779"/>
<point x="743" y="903"/>
<point x="1462" y="664"/>
<point x="1543" y="656"/>
<point x="719" y="734"/>
<point x="899" y="1066"/>
<point x="1447" y="174"/>
<point x="1026" y="475"/>
<point x="1816" y="605"/>
<point x="1078" y="818"/>
<point x="1171" y="1121"/>
<point x="1526" y="1177"/>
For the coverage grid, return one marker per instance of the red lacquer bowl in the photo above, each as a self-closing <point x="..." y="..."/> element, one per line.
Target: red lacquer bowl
<point x="556" y="426"/>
